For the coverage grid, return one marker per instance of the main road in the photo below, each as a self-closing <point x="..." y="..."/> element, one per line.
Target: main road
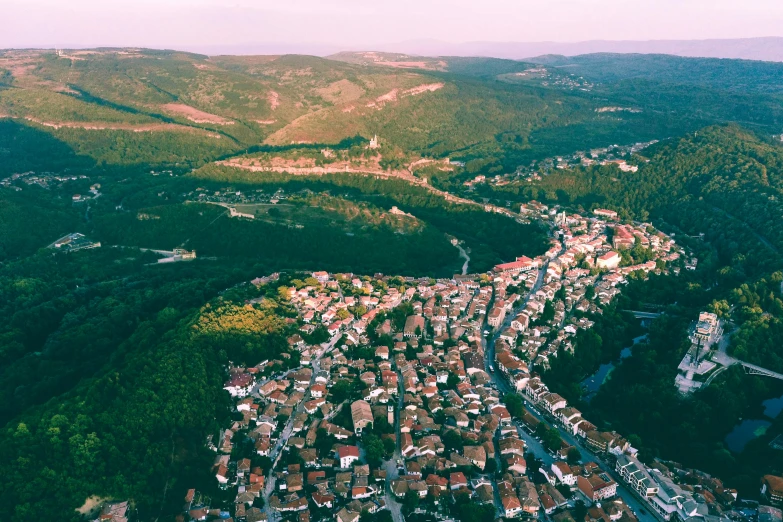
<point x="642" y="509"/>
<point x="288" y="429"/>
<point x="390" y="465"/>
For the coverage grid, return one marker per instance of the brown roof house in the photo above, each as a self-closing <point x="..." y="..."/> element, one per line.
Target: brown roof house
<point x="361" y="412"/>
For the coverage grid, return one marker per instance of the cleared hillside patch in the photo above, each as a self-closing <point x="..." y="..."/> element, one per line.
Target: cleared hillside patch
<point x="342" y="91"/>
<point x="195" y="115"/>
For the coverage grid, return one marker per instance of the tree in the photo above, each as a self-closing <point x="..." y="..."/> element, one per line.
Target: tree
<point x="468" y="511"/>
<point x="324" y="443"/>
<point x="552" y="440"/>
<point x="373" y="449"/>
<point x="513" y="402"/>
<point x="382" y="426"/>
<point x="548" y="313"/>
<point x="491" y="466"/>
<point x="580" y="510"/>
<point x="389" y="446"/>
<point x="452" y="440"/>
<point x="311" y="281"/>
<point x="574" y="456"/>
<point x="452" y="381"/>
<point x="265" y="463"/>
<point x="341" y="391"/>
<point x="411" y="500"/>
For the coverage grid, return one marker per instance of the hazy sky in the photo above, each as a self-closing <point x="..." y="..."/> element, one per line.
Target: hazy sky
<point x="355" y="24"/>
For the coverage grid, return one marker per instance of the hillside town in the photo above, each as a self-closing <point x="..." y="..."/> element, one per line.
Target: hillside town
<point x="425" y="398"/>
<point x="616" y="155"/>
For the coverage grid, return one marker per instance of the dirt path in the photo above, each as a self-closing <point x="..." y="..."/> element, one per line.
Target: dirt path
<point x="141" y="127"/>
<point x="91" y="504"/>
<point x="395" y="174"/>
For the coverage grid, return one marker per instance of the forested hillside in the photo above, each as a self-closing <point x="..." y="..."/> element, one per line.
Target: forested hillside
<point x="491" y="237"/>
<point x="722" y="181"/>
<point x="141" y="107"/>
<point x="113" y="376"/>
<point x="745" y="76"/>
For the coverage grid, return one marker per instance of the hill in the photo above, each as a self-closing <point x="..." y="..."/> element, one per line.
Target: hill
<point x="741" y="76"/>
<point x="111" y="364"/>
<point x="110" y="374"/>
<point x="144" y="107"/>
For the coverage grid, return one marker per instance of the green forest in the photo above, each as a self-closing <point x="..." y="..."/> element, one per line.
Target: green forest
<point x="112" y="375"/>
<point x="111" y="365"/>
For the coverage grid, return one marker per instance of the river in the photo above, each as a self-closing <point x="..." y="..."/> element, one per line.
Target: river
<point x="464" y="255"/>
<point x="748" y="429"/>
<point x="594" y="382"/>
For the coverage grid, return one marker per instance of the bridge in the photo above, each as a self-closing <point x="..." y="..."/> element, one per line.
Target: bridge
<point x="723" y="358"/>
<point x="644" y="315"/>
<point x="752" y="369"/>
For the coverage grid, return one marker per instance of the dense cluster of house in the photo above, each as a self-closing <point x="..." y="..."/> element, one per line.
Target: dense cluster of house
<point x="409" y="357"/>
<point x="424" y="376"/>
<point x="566" y="285"/>
<point x="676" y="494"/>
<point x="581" y="273"/>
<point x="42" y="179"/>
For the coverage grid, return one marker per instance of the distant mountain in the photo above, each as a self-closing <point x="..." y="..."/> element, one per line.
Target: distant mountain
<point x="739" y="76"/>
<point x="767" y="49"/>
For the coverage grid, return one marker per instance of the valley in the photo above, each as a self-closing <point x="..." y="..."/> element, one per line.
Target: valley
<point x="488" y="222"/>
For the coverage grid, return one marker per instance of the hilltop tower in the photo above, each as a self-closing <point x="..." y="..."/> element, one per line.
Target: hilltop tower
<point x="374" y="142"/>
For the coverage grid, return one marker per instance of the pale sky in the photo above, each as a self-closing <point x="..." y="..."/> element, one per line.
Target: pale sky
<point x="358" y="24"/>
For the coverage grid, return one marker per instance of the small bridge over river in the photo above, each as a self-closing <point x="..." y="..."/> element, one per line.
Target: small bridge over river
<point x="644" y="315"/>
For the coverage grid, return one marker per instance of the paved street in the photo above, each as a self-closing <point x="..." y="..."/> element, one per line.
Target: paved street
<point x="643" y="511"/>
<point x="629" y="497"/>
<point x="395" y="508"/>
<point x="274" y="454"/>
<point x="489" y="346"/>
<point x="391" y="465"/>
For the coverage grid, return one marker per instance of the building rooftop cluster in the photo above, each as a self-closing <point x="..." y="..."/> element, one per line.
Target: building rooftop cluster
<point x="581" y="272"/>
<point x="537" y="169"/>
<point x="233" y="196"/>
<point x="42" y="179"/>
<point x="403" y="397"/>
<point x="678" y="494"/>
<point x="74" y="242"/>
